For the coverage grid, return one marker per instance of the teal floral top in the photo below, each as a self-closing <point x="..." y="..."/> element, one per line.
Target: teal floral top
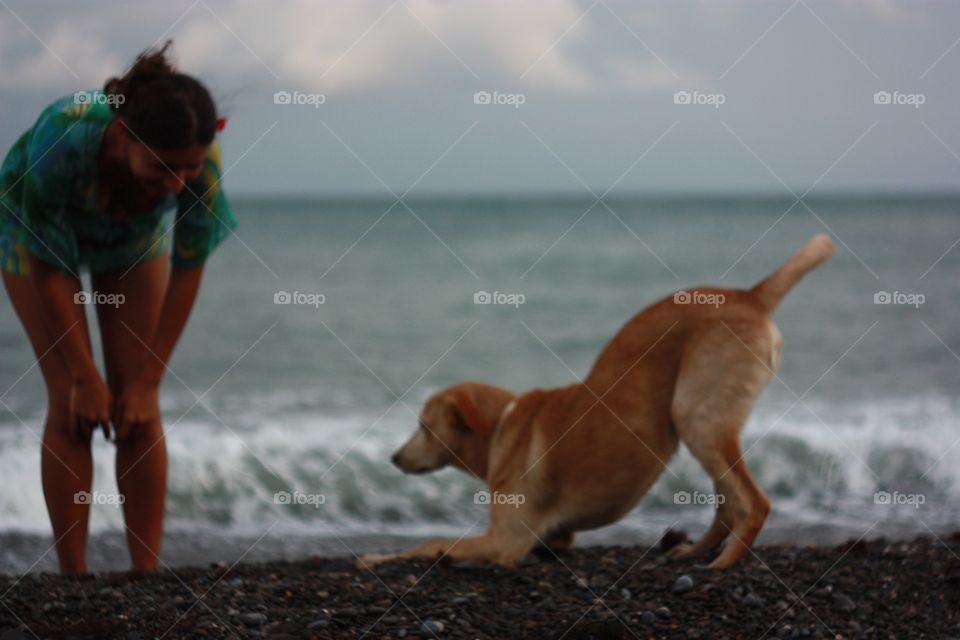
<point x="49" y="200"/>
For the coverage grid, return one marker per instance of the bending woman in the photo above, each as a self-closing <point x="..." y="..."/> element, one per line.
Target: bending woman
<point x="87" y="187"/>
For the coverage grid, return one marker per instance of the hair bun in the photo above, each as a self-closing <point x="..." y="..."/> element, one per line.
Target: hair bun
<point x="162" y="107"/>
<point x="150" y="65"/>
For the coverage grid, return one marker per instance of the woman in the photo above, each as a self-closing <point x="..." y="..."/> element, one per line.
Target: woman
<point x="87" y="186"/>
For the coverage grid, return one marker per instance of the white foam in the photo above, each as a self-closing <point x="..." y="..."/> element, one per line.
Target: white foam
<point x="224" y="478"/>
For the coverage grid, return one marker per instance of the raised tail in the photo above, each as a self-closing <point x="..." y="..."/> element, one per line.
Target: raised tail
<point x="771" y="290"/>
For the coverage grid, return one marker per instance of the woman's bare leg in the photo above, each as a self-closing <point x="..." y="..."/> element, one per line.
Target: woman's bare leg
<point x="142" y="457"/>
<point x="66" y="466"/>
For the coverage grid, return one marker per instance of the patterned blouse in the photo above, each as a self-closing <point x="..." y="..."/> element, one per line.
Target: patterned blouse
<point x="49" y="200"/>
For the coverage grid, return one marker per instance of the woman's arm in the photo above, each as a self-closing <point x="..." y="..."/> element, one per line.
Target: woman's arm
<point x="177" y="304"/>
<point x="90" y="399"/>
<point x="138" y="403"/>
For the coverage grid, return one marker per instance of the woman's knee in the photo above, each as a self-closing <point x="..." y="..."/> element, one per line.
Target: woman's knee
<point x="142" y="435"/>
<point x="57" y="422"/>
<point x="60" y="439"/>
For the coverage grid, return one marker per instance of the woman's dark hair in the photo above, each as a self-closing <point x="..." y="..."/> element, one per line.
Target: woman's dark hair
<point x="162" y="107"/>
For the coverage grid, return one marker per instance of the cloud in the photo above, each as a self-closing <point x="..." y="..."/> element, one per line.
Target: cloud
<point x="345" y="47"/>
<point x="66" y="57"/>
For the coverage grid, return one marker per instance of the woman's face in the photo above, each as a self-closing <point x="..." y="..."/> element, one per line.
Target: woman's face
<point x="163" y="171"/>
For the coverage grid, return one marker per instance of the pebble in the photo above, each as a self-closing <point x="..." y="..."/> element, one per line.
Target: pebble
<point x="253" y="619"/>
<point x="431" y="626"/>
<point x="684" y="583"/>
<point x="499" y="603"/>
<point x="843" y="602"/>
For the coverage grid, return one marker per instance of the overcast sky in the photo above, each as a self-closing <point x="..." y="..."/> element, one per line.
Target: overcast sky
<point x="786" y="91"/>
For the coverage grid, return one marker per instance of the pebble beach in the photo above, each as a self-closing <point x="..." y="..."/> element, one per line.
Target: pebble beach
<point x="860" y="589"/>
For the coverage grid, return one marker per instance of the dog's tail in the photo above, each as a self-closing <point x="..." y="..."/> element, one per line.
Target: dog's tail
<point x="771" y="290"/>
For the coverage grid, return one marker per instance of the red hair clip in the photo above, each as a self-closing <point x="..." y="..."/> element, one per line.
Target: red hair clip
<point x="221" y="123"/>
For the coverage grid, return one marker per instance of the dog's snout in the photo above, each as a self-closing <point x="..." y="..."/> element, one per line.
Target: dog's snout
<point x="395" y="459"/>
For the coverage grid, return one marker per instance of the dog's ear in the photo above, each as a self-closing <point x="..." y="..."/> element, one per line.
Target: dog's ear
<point x="467" y="408"/>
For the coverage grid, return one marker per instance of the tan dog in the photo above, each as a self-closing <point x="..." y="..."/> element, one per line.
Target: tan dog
<point x="562" y="460"/>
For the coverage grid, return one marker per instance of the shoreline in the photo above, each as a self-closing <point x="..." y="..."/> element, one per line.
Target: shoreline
<point x="107" y="550"/>
<point x="876" y="588"/>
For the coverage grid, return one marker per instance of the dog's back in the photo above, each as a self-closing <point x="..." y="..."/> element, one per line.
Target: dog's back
<point x="652" y="335"/>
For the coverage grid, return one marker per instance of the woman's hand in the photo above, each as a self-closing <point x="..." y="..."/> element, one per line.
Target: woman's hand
<point x="90" y="402"/>
<point x="136" y="405"/>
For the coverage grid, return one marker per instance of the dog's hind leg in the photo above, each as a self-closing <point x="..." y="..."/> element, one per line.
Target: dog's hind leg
<point x="715" y="391"/>
<point x="743" y="506"/>
<point x="711" y="539"/>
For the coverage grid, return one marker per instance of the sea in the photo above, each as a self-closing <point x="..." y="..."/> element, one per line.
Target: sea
<point x="323" y="324"/>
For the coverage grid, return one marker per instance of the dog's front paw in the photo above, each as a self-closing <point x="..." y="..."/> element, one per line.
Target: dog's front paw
<point x="371" y="560"/>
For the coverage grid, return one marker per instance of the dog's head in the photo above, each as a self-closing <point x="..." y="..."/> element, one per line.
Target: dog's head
<point x="455" y="428"/>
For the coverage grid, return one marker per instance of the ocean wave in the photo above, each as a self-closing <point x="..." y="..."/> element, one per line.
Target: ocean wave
<point x="301" y="470"/>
